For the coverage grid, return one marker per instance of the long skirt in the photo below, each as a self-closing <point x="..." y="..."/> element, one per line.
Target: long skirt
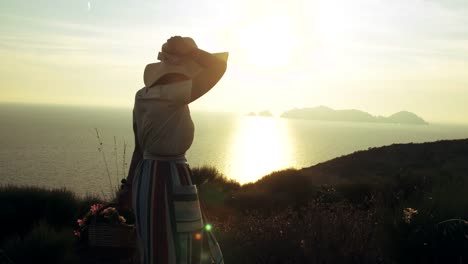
<point x="169" y="223"/>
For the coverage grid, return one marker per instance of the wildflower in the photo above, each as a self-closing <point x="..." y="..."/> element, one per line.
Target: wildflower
<point x="408" y="214"/>
<point x="76" y="233"/>
<point x="95" y="208"/>
<point x="108" y="211"/>
<point x="110" y="214"/>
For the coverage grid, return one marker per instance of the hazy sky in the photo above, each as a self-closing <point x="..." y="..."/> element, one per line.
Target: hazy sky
<point x="374" y="55"/>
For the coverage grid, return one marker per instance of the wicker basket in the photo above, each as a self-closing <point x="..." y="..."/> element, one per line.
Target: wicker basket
<point x="111" y="235"/>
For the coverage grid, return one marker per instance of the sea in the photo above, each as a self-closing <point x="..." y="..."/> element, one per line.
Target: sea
<point x="60" y="146"/>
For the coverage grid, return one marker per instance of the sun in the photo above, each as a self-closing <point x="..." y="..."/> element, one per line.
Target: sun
<point x="267" y="42"/>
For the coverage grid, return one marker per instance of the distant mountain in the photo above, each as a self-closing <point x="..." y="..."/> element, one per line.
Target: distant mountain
<point x="265" y="113"/>
<point x="405" y="117"/>
<point x="327" y="114"/>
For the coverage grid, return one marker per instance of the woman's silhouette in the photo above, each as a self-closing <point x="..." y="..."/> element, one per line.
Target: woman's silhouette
<point x="169" y="221"/>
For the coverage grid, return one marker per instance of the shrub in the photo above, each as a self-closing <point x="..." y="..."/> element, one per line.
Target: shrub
<point x="42" y="245"/>
<point x="276" y="190"/>
<point x="317" y="233"/>
<point x="214" y="188"/>
<point x="25" y="206"/>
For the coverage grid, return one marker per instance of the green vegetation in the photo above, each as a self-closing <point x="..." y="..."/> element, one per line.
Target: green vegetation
<point x="42" y="243"/>
<point x="37" y="223"/>
<point x="403" y="203"/>
<point x="396" y="204"/>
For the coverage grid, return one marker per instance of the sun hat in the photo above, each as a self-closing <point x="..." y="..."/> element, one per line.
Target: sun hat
<point x="171" y="63"/>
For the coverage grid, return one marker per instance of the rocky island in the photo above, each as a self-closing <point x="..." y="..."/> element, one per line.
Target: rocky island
<point x="351" y="115"/>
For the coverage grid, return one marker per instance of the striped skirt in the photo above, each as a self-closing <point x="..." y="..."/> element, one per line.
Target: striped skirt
<point x="169" y="223"/>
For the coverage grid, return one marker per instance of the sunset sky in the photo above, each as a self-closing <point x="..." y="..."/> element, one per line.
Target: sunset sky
<point x="377" y="56"/>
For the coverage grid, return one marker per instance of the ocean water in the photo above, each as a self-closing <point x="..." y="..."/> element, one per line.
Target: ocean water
<point x="57" y="146"/>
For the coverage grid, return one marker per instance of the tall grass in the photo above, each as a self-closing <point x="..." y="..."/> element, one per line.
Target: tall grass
<point x="286" y="218"/>
<point x="23" y="207"/>
<point x="37" y="223"/>
<point x="44" y="244"/>
<point x="103" y="154"/>
<point x="124" y="161"/>
<point x="316" y="233"/>
<point x="215" y="190"/>
<point x="113" y="188"/>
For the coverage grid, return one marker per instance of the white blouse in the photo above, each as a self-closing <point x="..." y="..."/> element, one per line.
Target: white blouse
<point x="164" y="126"/>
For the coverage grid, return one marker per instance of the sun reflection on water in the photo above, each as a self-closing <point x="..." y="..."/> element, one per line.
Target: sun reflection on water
<point x="261" y="145"/>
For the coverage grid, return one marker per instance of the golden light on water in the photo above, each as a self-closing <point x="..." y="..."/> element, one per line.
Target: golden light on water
<point x="261" y="145"/>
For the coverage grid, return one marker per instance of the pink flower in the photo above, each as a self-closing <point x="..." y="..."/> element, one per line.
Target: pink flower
<point x="95" y="208"/>
<point x="80" y="222"/>
<point x="76" y="233"/>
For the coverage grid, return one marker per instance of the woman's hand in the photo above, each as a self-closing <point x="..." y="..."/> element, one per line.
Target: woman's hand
<point x="178" y="45"/>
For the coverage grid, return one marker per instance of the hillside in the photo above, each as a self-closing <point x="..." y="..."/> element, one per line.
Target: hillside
<point x="404" y="203"/>
<point x="446" y="157"/>
<point x="409" y="167"/>
<point x="407" y="202"/>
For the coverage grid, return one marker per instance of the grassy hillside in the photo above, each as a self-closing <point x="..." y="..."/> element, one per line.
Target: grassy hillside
<point x="446" y="157"/>
<point x="403" y="203"/>
<point x="409" y="168"/>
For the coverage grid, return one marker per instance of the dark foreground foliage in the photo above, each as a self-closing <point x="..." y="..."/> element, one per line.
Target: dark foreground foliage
<point x="23" y="207"/>
<point x="397" y="210"/>
<point x="43" y="244"/>
<point x="37" y="223"/>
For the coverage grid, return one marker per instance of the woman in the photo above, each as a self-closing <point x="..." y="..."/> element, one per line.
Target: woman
<point x="169" y="222"/>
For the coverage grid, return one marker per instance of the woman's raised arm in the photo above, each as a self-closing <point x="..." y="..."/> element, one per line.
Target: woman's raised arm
<point x="213" y="69"/>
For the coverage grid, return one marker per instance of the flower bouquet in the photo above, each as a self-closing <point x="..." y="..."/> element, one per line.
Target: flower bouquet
<point x="103" y="226"/>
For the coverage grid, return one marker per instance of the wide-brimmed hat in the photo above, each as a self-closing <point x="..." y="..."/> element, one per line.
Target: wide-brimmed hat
<point x="170" y="63"/>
